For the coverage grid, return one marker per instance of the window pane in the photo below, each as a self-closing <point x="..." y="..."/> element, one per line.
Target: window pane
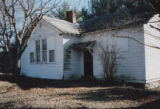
<point x="38" y="50"/>
<point x="31" y="57"/>
<point x="37" y="45"/>
<point x="38" y="58"/>
<point x="67" y="60"/>
<point x="44" y="50"/>
<point x="51" y="56"/>
<point x="44" y="56"/>
<point x="44" y="44"/>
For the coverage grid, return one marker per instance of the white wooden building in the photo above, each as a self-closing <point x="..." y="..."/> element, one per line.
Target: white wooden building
<point x="51" y="53"/>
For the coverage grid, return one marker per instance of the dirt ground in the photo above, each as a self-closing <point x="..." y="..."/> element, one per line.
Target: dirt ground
<point x="21" y="92"/>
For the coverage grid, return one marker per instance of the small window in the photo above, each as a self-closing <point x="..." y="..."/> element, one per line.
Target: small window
<point x="67" y="60"/>
<point x="44" y="50"/>
<point x="38" y="51"/>
<point x="51" y="55"/>
<point x="31" y="57"/>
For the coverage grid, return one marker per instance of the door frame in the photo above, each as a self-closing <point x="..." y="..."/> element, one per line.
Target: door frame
<point x="86" y="64"/>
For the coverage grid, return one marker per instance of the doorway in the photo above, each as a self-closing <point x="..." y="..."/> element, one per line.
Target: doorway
<point x="88" y="64"/>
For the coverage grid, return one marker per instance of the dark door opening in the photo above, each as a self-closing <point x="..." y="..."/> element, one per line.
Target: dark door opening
<point x="88" y="63"/>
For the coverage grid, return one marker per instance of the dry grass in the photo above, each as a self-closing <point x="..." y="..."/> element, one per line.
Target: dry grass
<point x="36" y="93"/>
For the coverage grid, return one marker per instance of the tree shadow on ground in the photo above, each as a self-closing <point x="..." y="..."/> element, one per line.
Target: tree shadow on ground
<point x="12" y="105"/>
<point x="26" y="83"/>
<point x="121" y="93"/>
<point x="97" y="94"/>
<point x="112" y="94"/>
<point x="151" y="105"/>
<point x="6" y="105"/>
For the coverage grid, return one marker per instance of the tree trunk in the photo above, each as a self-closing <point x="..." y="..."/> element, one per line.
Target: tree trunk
<point x="10" y="62"/>
<point x="13" y="63"/>
<point x="18" y="65"/>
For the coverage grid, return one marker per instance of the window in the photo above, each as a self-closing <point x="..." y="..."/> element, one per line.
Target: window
<point x="38" y="51"/>
<point x="51" y="55"/>
<point x="67" y="60"/>
<point x="44" y="50"/>
<point x="31" y="57"/>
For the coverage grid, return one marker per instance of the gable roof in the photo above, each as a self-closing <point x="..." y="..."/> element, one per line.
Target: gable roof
<point x="62" y="25"/>
<point x="132" y="16"/>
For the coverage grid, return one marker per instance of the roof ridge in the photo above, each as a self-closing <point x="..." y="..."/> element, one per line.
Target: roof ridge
<point x="62" y="25"/>
<point x="60" y="20"/>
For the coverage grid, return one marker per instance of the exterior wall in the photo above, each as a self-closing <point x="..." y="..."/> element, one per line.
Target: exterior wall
<point x="74" y="66"/>
<point x="152" y="55"/>
<point x="136" y="62"/>
<point x="131" y="59"/>
<point x="44" y="70"/>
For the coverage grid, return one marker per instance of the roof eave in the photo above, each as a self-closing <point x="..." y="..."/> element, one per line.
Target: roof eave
<point x="70" y="34"/>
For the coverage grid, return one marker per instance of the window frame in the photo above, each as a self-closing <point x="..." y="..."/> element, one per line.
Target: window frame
<point x="54" y="56"/>
<point x="44" y="50"/>
<point x="32" y="60"/>
<point x="38" y="53"/>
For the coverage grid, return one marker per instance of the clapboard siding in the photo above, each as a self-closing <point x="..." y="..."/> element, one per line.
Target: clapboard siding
<point x="152" y="37"/>
<point x="136" y="62"/>
<point x="131" y="59"/>
<point x="72" y="65"/>
<point x="44" y="70"/>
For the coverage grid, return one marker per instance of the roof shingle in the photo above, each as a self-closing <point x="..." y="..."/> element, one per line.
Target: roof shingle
<point x="132" y="16"/>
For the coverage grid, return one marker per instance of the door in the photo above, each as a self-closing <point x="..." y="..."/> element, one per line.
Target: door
<point x="88" y="63"/>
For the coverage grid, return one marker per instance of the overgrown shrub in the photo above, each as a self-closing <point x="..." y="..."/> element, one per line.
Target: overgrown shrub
<point x="108" y="56"/>
<point x="73" y="77"/>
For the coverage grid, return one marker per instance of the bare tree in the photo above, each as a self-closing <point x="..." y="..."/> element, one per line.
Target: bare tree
<point x="155" y="4"/>
<point x="20" y="29"/>
<point x="108" y="56"/>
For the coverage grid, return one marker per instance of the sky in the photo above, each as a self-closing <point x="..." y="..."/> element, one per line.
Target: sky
<point x="78" y="4"/>
<point x="74" y="4"/>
